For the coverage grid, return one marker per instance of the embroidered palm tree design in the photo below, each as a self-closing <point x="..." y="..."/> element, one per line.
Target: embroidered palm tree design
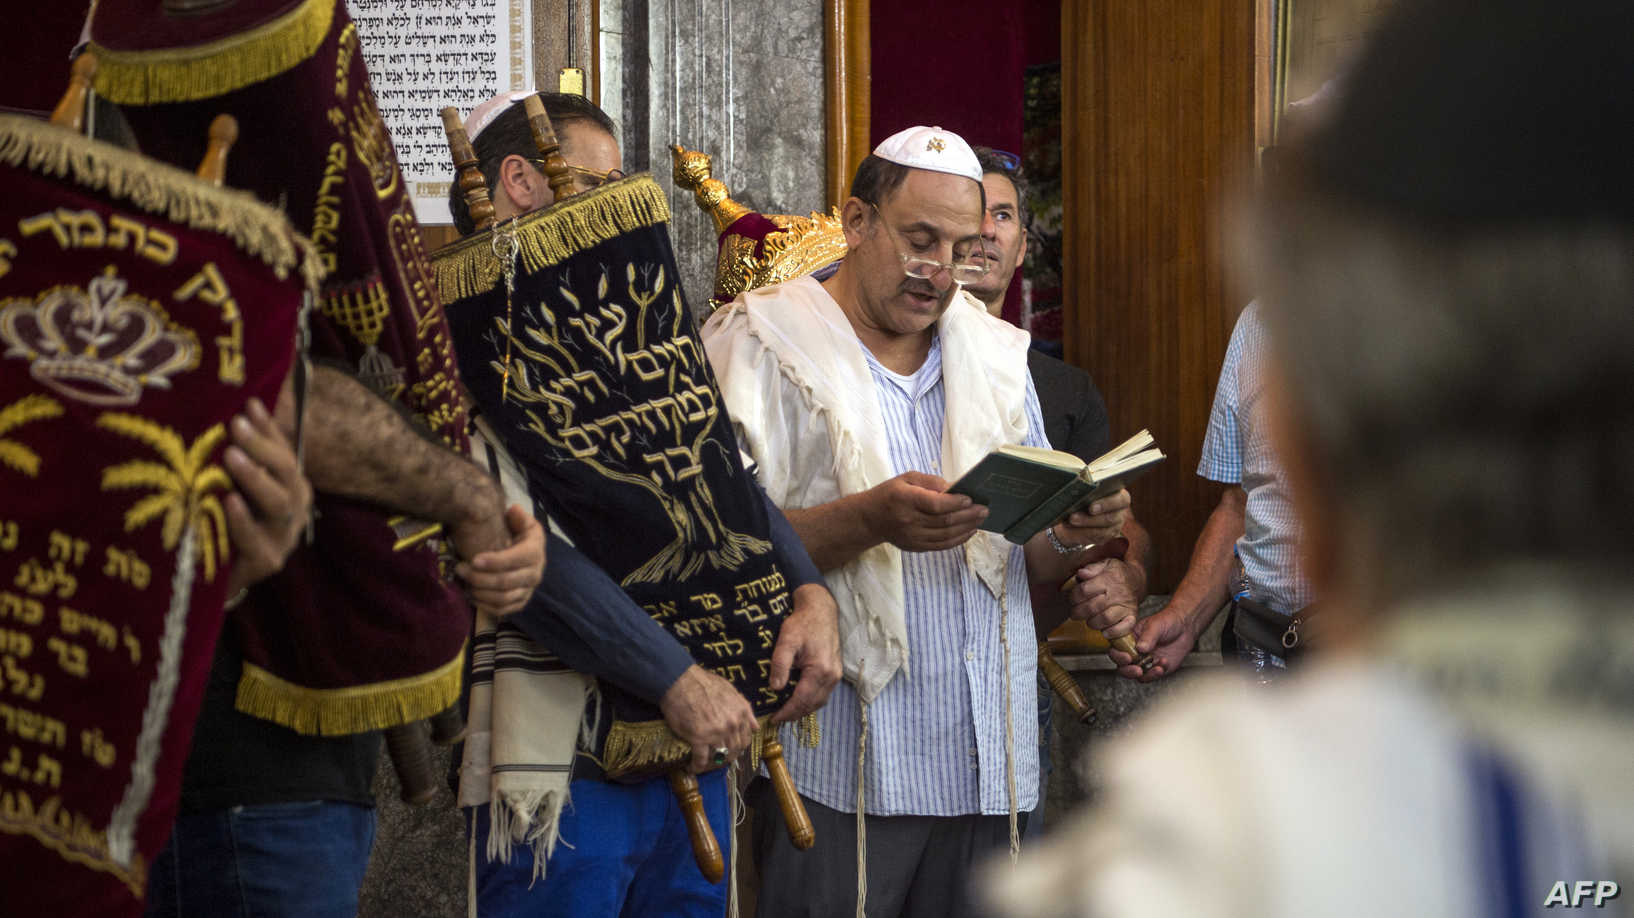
<point x="187" y="489"/>
<point x="24" y="410"/>
<point x="701" y="538"/>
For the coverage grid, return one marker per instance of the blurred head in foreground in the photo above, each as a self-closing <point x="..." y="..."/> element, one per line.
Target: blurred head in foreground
<point x="1446" y="263"/>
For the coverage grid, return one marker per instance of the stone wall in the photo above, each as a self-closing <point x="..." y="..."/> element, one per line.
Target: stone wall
<point x="741" y="80"/>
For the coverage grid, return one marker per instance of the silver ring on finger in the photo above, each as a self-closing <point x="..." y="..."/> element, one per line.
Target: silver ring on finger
<point x="717" y="755"/>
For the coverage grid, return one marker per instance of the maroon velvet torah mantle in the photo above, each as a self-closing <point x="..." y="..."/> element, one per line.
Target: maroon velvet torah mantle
<point x="140" y="309"/>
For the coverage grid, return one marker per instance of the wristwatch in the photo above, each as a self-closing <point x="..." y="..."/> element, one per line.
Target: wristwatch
<point x="1062" y="547"/>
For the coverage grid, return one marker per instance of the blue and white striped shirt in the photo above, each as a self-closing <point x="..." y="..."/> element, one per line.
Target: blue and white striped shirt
<point x="1237" y="450"/>
<point x="936" y="734"/>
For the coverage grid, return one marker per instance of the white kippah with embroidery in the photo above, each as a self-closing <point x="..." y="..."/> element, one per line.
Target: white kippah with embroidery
<point x="931" y="148"/>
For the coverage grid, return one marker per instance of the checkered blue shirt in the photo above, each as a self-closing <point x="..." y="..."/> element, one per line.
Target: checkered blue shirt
<point x="1237" y="450"/>
<point x="936" y="734"/>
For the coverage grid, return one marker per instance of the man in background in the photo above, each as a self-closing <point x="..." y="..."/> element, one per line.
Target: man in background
<point x="508" y="158"/>
<point x="624" y="845"/>
<point x="1075" y="421"/>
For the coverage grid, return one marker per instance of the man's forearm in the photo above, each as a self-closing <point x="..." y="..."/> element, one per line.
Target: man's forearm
<point x="835" y="532"/>
<point x="358" y="445"/>
<point x="1207" y="583"/>
<point x="587" y="619"/>
<point x="1139" y="554"/>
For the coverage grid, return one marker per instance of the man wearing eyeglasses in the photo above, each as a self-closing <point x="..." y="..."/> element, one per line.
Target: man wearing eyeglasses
<point x="860" y="398"/>
<point x="509" y="159"/>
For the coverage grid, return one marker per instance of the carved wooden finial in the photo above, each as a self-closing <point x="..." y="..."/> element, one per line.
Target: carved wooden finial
<point x="692" y="171"/>
<point x="471" y="182"/>
<point x="70" y="111"/>
<point x="706" y="851"/>
<point x="550" y="150"/>
<point x="223" y="134"/>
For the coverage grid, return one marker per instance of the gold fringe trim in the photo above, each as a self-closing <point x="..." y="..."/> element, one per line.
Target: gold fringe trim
<point x="549" y="237"/>
<point x="165" y="191"/>
<point x="193" y="72"/>
<point x="355" y="709"/>
<point x="650" y="746"/>
<point x="86" y="848"/>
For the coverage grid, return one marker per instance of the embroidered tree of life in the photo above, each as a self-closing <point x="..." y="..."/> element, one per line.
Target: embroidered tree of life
<point x="592" y="388"/>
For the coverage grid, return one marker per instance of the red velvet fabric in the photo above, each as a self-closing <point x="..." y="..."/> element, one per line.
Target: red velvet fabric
<point x="108" y="447"/>
<point x="348" y="610"/>
<point x="140" y="25"/>
<point x="968" y="78"/>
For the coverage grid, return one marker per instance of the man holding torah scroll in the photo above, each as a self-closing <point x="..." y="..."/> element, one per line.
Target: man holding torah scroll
<point x="360" y="632"/>
<point x="860" y="398"/>
<point x="673" y="581"/>
<point x="145" y="317"/>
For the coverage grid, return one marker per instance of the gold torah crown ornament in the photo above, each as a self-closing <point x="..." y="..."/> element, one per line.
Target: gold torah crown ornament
<point x="756" y="250"/>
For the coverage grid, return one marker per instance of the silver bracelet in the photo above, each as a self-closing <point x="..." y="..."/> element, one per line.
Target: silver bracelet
<point x="1060" y="546"/>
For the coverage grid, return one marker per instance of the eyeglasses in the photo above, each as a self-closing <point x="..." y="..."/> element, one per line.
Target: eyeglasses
<point x="962" y="272"/>
<point x="595" y="179"/>
<point x="1009" y="161"/>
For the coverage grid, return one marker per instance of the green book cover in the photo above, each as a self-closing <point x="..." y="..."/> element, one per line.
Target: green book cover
<point x="1026" y="488"/>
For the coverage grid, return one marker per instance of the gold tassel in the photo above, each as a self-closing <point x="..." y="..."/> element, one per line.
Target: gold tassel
<point x="649" y="746"/>
<point x="354" y="709"/>
<point x="149" y="185"/>
<point x="193" y="72"/>
<point x="551" y="236"/>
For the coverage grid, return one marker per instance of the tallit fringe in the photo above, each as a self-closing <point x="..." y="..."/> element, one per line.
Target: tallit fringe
<point x="355" y="709"/>
<point x="165" y="191"/>
<point x="549" y="237"/>
<point x="531" y="819"/>
<point x="862" y="814"/>
<point x="189" y="73"/>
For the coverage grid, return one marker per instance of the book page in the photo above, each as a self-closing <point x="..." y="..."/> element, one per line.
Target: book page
<point x="1120" y="452"/>
<point x="1054" y="458"/>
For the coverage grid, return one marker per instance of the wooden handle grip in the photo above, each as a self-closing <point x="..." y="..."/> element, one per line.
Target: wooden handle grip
<point x="223" y="134"/>
<point x="1065" y="686"/>
<point x="705" y="850"/>
<point x="1126" y="643"/>
<point x="472" y="185"/>
<point x="70" y="110"/>
<point x="801" y="834"/>
<point x="557" y="173"/>
<point x="411" y="759"/>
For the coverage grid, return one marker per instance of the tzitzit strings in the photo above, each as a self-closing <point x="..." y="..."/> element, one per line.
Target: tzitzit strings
<point x="505" y="248"/>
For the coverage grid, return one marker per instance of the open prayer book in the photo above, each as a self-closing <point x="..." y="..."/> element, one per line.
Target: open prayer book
<point x="1026" y="488"/>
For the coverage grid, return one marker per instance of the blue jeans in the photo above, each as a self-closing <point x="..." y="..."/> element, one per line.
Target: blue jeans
<point x="623" y="851"/>
<point x="296" y="859"/>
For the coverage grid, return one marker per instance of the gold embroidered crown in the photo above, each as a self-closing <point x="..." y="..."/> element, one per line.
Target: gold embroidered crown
<point x="97" y="345"/>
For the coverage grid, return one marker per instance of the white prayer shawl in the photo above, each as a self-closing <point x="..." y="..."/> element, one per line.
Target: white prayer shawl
<point x="793" y="373"/>
<point x="526" y="714"/>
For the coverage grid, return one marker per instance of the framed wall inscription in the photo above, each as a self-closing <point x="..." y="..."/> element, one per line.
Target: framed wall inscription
<point x="427" y="54"/>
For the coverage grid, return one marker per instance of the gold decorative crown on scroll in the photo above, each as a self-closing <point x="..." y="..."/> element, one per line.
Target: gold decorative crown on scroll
<point x="97" y="345"/>
<point x="800" y="246"/>
<point x="691" y="170"/>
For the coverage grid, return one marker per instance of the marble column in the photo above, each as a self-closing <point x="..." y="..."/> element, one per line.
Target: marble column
<point x="741" y="80"/>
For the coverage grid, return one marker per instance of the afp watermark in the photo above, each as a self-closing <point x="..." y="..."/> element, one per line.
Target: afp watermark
<point x="1580" y="893"/>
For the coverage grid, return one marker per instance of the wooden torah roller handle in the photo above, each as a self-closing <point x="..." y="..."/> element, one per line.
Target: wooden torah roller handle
<point x="1064" y="685"/>
<point x="801" y="834"/>
<point x="705" y="849"/>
